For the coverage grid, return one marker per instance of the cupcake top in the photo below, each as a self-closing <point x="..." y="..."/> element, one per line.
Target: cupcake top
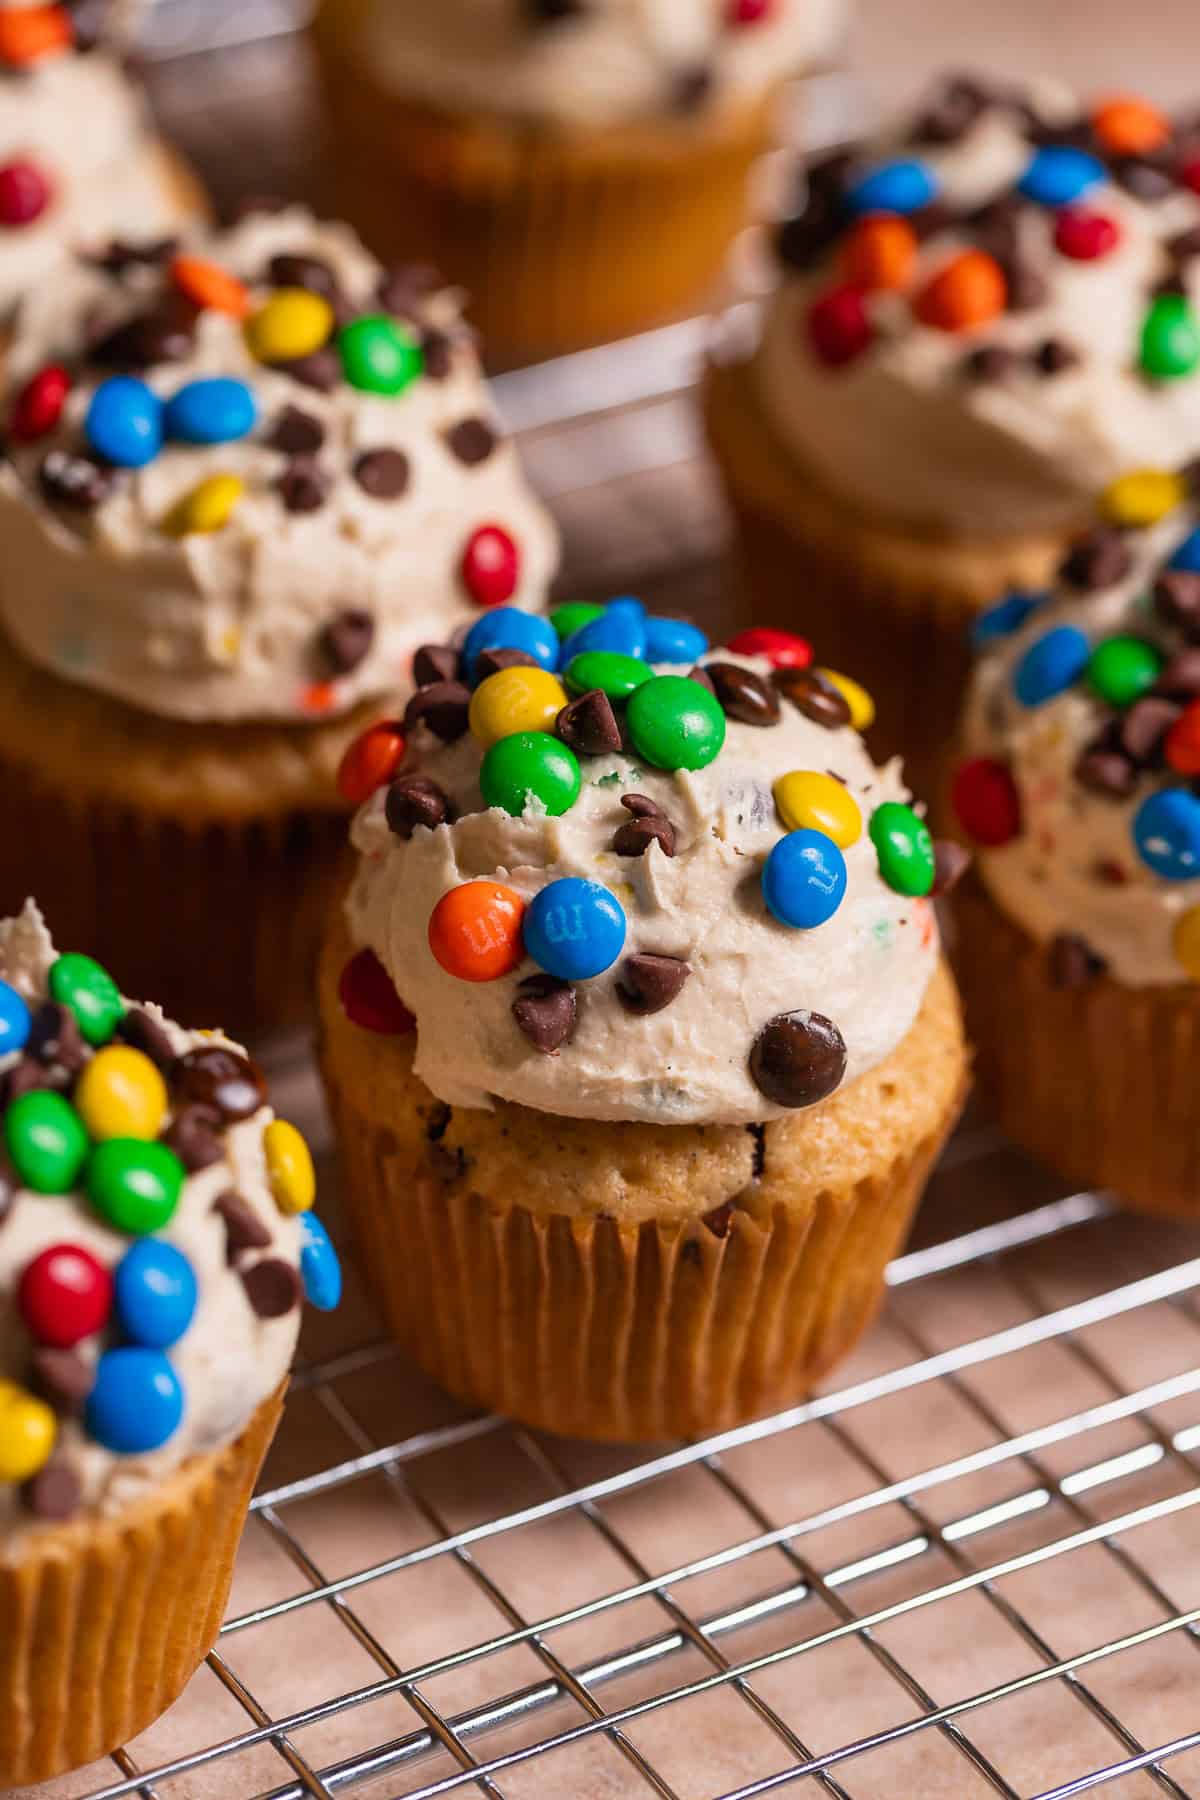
<point x="606" y="887"/>
<point x="156" y="1240"/>
<point x="78" y="161"/>
<point x="1082" y="735"/>
<point x="245" y="480"/>
<point x="592" y="62"/>
<point x="1010" y="279"/>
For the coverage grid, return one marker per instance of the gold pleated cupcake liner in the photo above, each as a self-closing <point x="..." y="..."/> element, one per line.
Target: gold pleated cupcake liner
<point x="106" y="1620"/>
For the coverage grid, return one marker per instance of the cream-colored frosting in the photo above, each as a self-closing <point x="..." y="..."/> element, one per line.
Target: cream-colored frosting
<point x="224" y="625"/>
<point x="996" y="458"/>
<point x="613" y="62"/>
<point x="228" y="1361"/>
<point x="1074" y="868"/>
<point x="866" y="968"/>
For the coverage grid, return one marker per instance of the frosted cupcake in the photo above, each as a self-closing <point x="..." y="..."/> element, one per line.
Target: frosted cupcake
<point x="155" y="1249"/>
<point x="982" y="318"/>
<point x="246" y="482"/>
<point x="636" y="1032"/>
<point x="580" y="165"/>
<point x="1080" y="789"/>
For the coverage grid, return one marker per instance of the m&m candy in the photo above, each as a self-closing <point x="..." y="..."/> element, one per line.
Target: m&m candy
<point x="28" y="1429"/>
<point x="862" y="706"/>
<point x="133" y="1185"/>
<point x="121" y="1094"/>
<point x="530" y="768"/>
<point x="156" y="1292"/>
<point x="124" y="422"/>
<point x="675" y="723"/>
<point x="508" y="628"/>
<point x="1186" y="555"/>
<point x="14" y="1020"/>
<point x="1122" y="669"/>
<point x="1182" y="744"/>
<point x="289" y="1167"/>
<point x="782" y="649"/>
<point x="614" y="674"/>
<point x="491" y="566"/>
<point x="25" y="191"/>
<point x="208" y="506"/>
<point x="986" y="802"/>
<point x="46" y="1142"/>
<point x="475" y="931"/>
<point x="1058" y="174"/>
<point x="572" y="617"/>
<point x="370" y="761"/>
<point x="38" y="405"/>
<point x="64" y="1295"/>
<point x="619" y="629"/>
<point x="27" y="33"/>
<point x="1052" y="663"/>
<point x="209" y="286"/>
<point x="903" y="186"/>
<point x="292" y="323"/>
<point x="1085" y="236"/>
<point x="1128" y="125"/>
<point x="378" y="356"/>
<point x="369" y="999"/>
<point x="839" y="326"/>
<point x="904" y="848"/>
<point x="966" y="292"/>
<point x="673" y="640"/>
<point x="1005" y="617"/>
<point x="320" y="1269"/>
<point x="91" y="993"/>
<point x="1170" y="341"/>
<point x="214" y="410"/>
<point x="880" y="252"/>
<point x="136" y="1402"/>
<point x="804" y="879"/>
<point x="574" y="929"/>
<point x="807" y="799"/>
<point x="513" y="700"/>
<point x="1166" y="832"/>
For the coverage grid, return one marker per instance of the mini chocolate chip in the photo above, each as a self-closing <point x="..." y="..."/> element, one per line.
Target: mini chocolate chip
<point x="994" y="226"/>
<point x="814" y="695"/>
<point x="950" y="863"/>
<point x="435" y="662"/>
<point x="1072" y="961"/>
<point x="642" y="806"/>
<point x="320" y="369"/>
<point x="1185" y="246"/>
<point x="303" y="486"/>
<point x="1145" y="725"/>
<point x="490" y="662"/>
<point x="142" y="1031"/>
<point x="438" y="1122"/>
<point x="545" y="1009"/>
<point x="990" y="362"/>
<point x="718" y="1220"/>
<point x="702" y="678"/>
<point x="744" y="695"/>
<point x="55" y="1037"/>
<point x="646" y="984"/>
<point x="759" y="1135"/>
<point x="29" y="1076"/>
<point x="296" y="432"/>
<point x="347" y="639"/>
<point x="588" y="725"/>
<point x="437" y="353"/>
<point x="221" y="1078"/>
<point x="194" y="1134"/>
<point x="291" y="270"/>
<point x="1024" y="289"/>
<point x="951" y="113"/>
<point x="272" y="1287"/>
<point x="447" y="1161"/>
<point x="1172" y="285"/>
<point x="442" y="706"/>
<point x="165" y="335"/>
<point x="63" y="1378"/>
<point x="1098" y="560"/>
<point x="635" y="837"/>
<point x="382" y="473"/>
<point x="244" y="1230"/>
<point x="74" y="481"/>
<point x="1053" y="356"/>
<point x="928" y="220"/>
<point x="120" y="254"/>
<point x="55" y="1492"/>
<point x="691" y="87"/>
<point x="402" y="289"/>
<point x="1142" y="177"/>
<point x="1177" y="600"/>
<point x="414" y="800"/>
<point x="802" y="240"/>
<point x="798" y="1058"/>
<point x="471" y="440"/>
<point x="1181" y="675"/>
<point x="1106" y="771"/>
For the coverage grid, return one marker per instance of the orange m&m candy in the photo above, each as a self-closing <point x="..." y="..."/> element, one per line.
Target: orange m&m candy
<point x="880" y="252"/>
<point x="475" y="931"/>
<point x="206" y="284"/>
<point x="1127" y="125"/>
<point x="30" y="32"/>
<point x="371" y="759"/>
<point x="969" y="290"/>
<point x="1182" y="747"/>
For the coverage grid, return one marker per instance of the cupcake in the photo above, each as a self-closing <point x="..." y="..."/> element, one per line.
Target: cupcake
<point x="580" y="165"/>
<point x="636" y="1033"/>
<point x="155" y="1247"/>
<point x="80" y="161"/>
<point x="245" y="483"/>
<point x="982" y="318"/>
<point x="1080" y="787"/>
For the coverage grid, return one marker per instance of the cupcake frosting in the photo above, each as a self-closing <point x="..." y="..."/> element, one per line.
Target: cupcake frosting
<point x="1009" y="279"/>
<point x="592" y="62"/>
<point x="1081" y="784"/>
<point x="620" y="892"/>
<point x="155" y="1245"/>
<point x="246" y="480"/>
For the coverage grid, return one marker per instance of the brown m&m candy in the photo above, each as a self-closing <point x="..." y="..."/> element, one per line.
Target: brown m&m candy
<point x="219" y="1078"/>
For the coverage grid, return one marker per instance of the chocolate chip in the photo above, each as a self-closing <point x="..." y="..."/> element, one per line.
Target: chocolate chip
<point x="718" y="1220"/>
<point x="1145" y="725"/>
<point x="646" y="984"/>
<point x="435" y="662"/>
<point x="1025" y="290"/>
<point x="702" y="678"/>
<point x="1173" y="285"/>
<point x="950" y="864"/>
<point x="296" y="432"/>
<point x="74" y="481"/>
<point x="1098" y="560"/>
<point x="1176" y="595"/>
<point x="814" y="695"/>
<point x="346" y="640"/>
<point x="1106" y="771"/>
<point x="272" y="1287"/>
<point x="545" y="1009"/>
<point x="491" y="661"/>
<point x="990" y="362"/>
<point x="382" y="473"/>
<point x="141" y="1031"/>
<point x="221" y="1078"/>
<point x="1142" y="176"/>
<point x="635" y="837"/>
<point x="63" y="1378"/>
<point x="194" y="1134"/>
<point x="994" y="227"/>
<point x="691" y="87"/>
<point x="1053" y="356"/>
<point x="952" y="112"/>
<point x="29" y="1076"/>
<point x="744" y="695"/>
<point x="290" y="270"/>
<point x="1072" y="962"/>
<point x="320" y="369"/>
<point x="443" y="707"/>
<point x="55" y="1492"/>
<point x="244" y="1230"/>
<point x="642" y="806"/>
<point x="120" y="254"/>
<point x="798" y="1058"/>
<point x="471" y="440"/>
<point x="437" y="354"/>
<point x="165" y="335"/>
<point x="303" y="486"/>
<point x="55" y="1038"/>
<point x="402" y="289"/>
<point x="1181" y="675"/>
<point x="758" y="1134"/>
<point x="588" y="725"/>
<point x="928" y="220"/>
<point x="1185" y="246"/>
<point x="414" y="800"/>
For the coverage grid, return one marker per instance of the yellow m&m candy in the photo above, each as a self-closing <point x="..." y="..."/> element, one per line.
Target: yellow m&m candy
<point x="1186" y="942"/>
<point x="289" y="1167"/>
<point x="810" y="801"/>
<point x="292" y="323"/>
<point x="862" y="707"/>
<point x="1142" y="497"/>
<point x="27" y="1432"/>
<point x="121" y="1095"/>
<point x="512" y="700"/>
<point x="206" y="508"/>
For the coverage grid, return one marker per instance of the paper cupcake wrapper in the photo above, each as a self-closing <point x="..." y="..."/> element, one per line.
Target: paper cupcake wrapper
<point x="560" y="240"/>
<point x="106" y="1620"/>
<point x="1099" y="1082"/>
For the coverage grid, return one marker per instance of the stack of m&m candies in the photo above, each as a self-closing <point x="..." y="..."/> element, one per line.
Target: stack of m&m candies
<point x="99" y="1107"/>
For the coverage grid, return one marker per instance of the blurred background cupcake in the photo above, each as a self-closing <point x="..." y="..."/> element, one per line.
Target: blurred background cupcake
<point x="982" y="317"/>
<point x="246" y="482"/>
<point x="580" y="165"/>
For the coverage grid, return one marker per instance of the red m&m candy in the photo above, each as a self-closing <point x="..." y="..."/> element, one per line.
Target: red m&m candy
<point x="1189" y="174"/>
<point x="64" y="1296"/>
<point x="839" y="327"/>
<point x="782" y="649"/>
<point x="1182" y="746"/>
<point x="985" y="798"/>
<point x="475" y="931"/>
<point x="368" y="998"/>
<point x="24" y="193"/>
<point x="491" y="566"/>
<point x="371" y="759"/>
<point x="38" y="407"/>
<point x="748" y="12"/>
<point x="1083" y="235"/>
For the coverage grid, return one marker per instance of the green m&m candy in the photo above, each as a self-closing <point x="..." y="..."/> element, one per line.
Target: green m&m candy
<point x="675" y="723"/>
<point x="530" y="766"/>
<point x="1122" y="669"/>
<point x="614" y="674"/>
<point x="46" y="1140"/>
<point x="904" y="848"/>
<point x="134" y="1185"/>
<point x="378" y="356"/>
<point x="572" y="617"/>
<point x="1170" y="337"/>
<point x="90" y="992"/>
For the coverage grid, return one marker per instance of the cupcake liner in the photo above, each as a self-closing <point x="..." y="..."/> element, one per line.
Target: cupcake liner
<point x="106" y="1620"/>
<point x="561" y="239"/>
<point x="1098" y="1081"/>
<point x="665" y="1318"/>
<point x="891" y="606"/>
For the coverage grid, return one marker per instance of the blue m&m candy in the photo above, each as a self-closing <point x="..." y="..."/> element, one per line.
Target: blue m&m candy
<point x="1008" y="615"/>
<point x="320" y="1269"/>
<point x="14" y="1020"/>
<point x="673" y="641"/>
<point x="1187" y="554"/>
<point x="155" y="1293"/>
<point x="1166" y="830"/>
<point x="1052" y="663"/>
<point x="217" y="410"/>
<point x="804" y="879"/>
<point x="895" y="187"/>
<point x="574" y="929"/>
<point x="508" y="628"/>
<point x="1058" y="174"/>
<point x="124" y="422"/>
<point x="136" y="1402"/>
<point x="620" y="627"/>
